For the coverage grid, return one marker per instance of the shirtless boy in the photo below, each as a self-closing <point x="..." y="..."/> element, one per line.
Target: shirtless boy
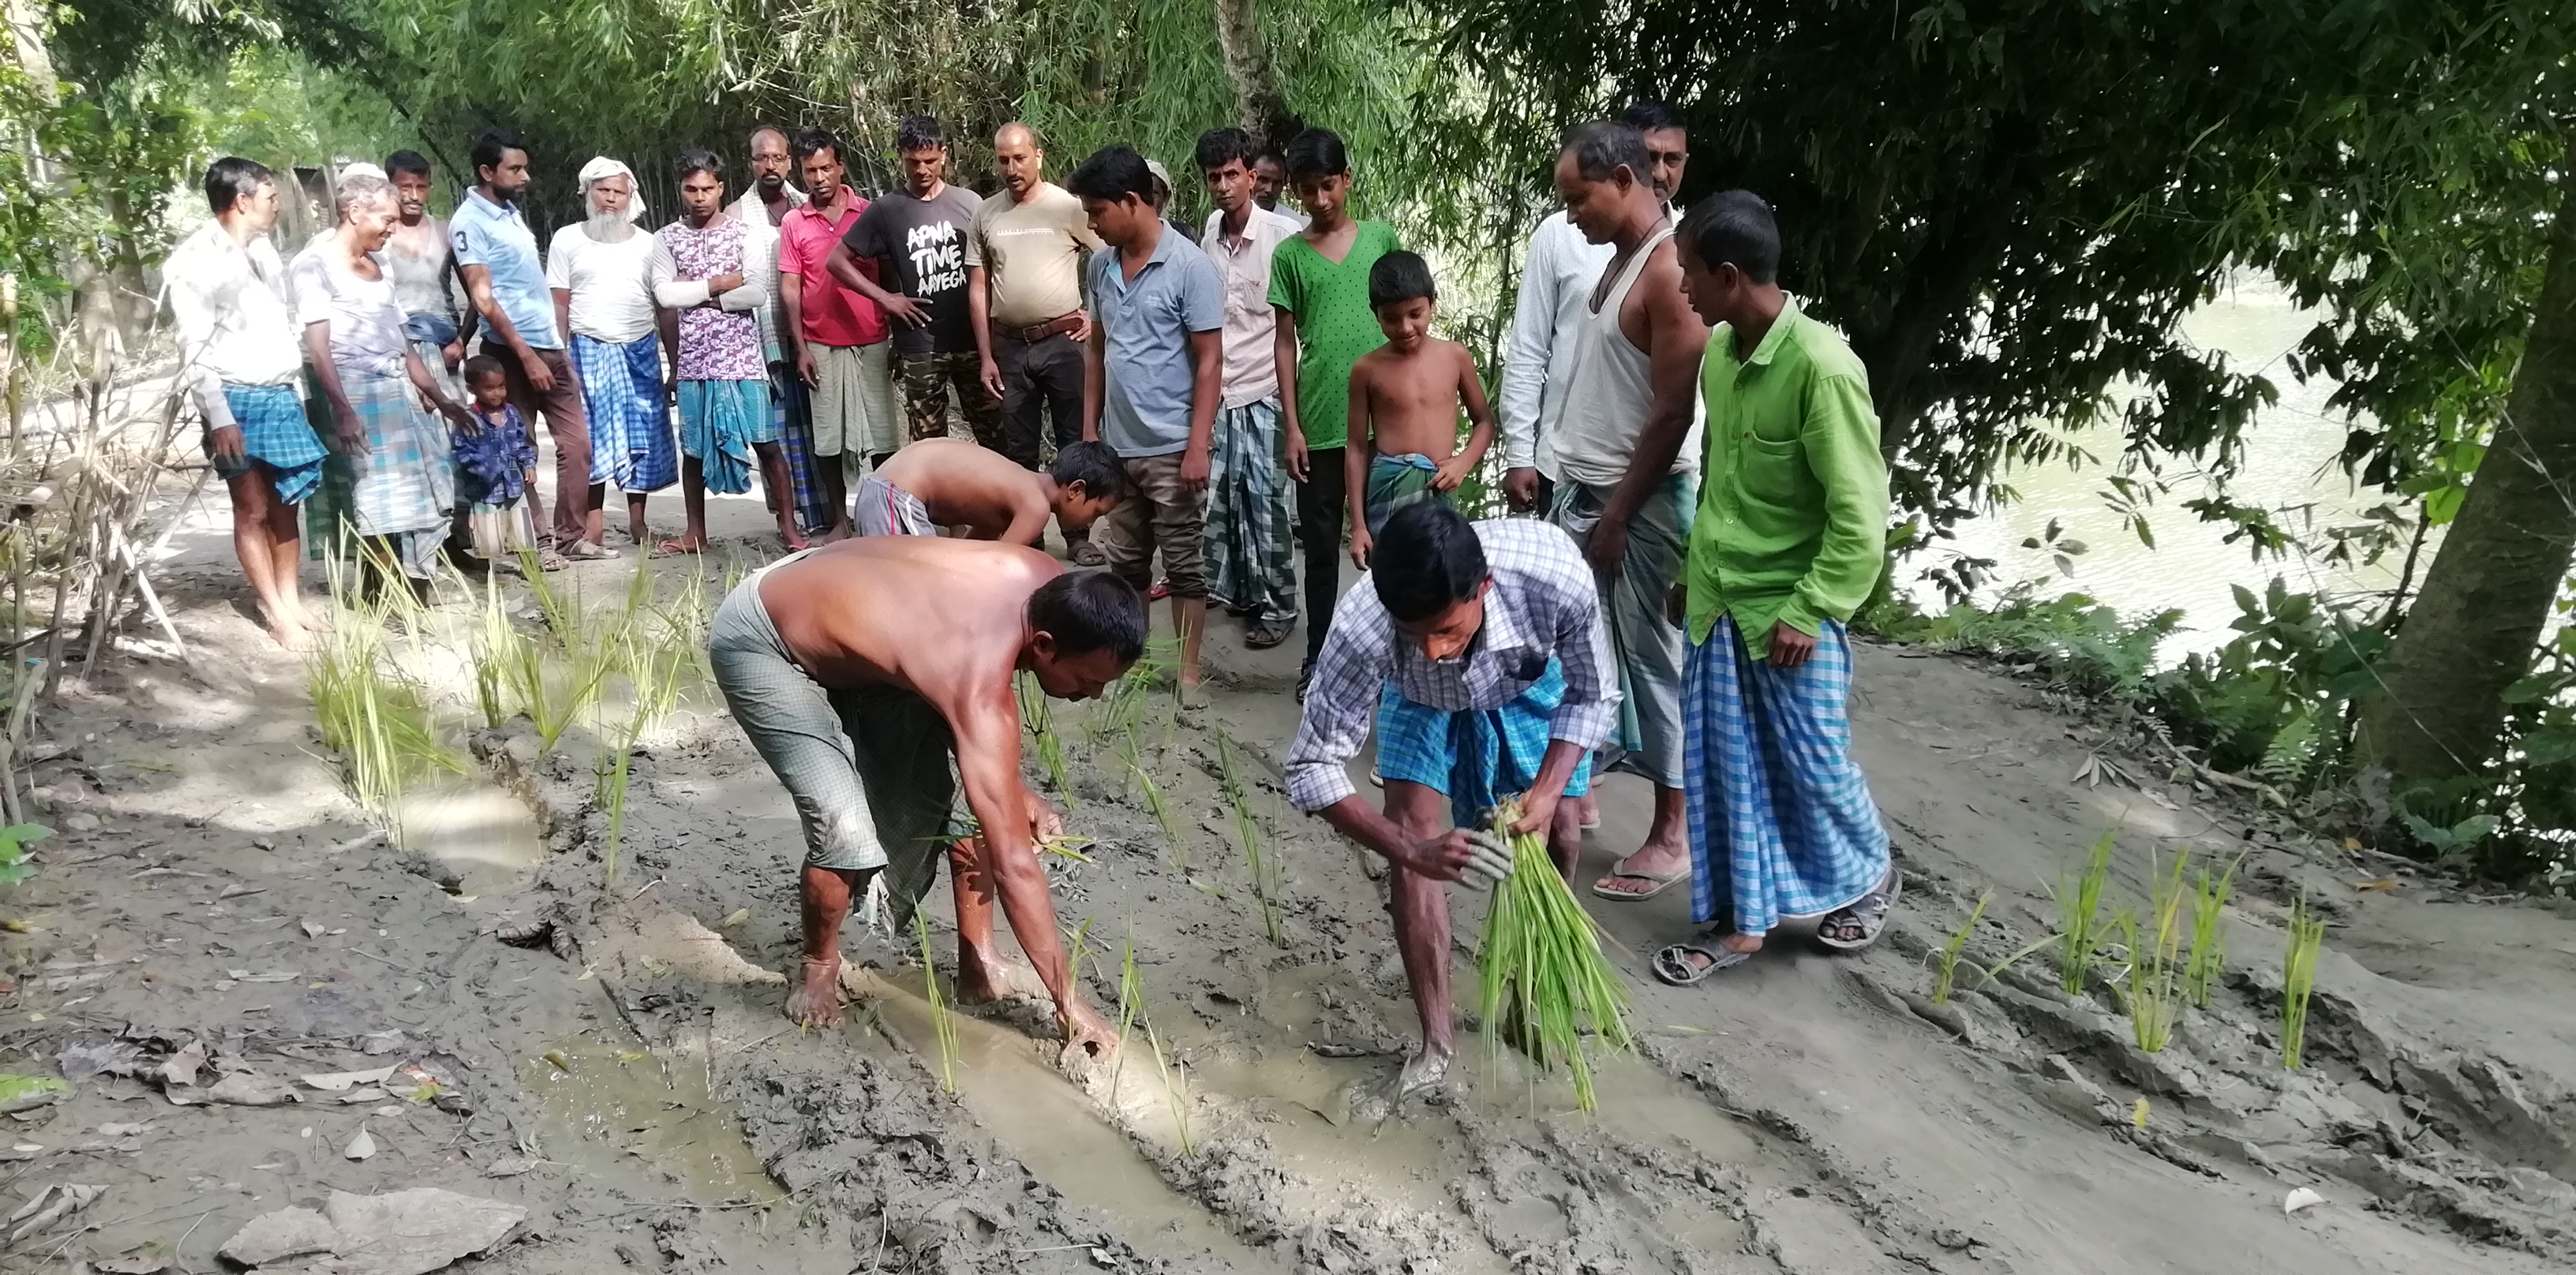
<point x="951" y="482"/>
<point x="1405" y="396"/>
<point x="856" y="693"/>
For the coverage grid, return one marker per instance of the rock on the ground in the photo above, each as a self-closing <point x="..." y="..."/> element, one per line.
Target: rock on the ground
<point x="398" y="1233"/>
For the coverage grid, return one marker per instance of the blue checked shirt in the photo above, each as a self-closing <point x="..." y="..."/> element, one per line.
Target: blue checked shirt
<point x="1543" y="603"/>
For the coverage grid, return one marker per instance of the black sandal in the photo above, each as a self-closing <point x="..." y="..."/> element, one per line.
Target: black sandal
<point x="1856" y="925"/>
<point x="1673" y="964"/>
<point x="1267" y="634"/>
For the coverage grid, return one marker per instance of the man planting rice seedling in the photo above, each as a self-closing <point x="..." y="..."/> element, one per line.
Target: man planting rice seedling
<point x="1491" y="639"/>
<point x="857" y="696"/>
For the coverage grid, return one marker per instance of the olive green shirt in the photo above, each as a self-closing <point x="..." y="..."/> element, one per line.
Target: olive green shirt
<point x="1792" y="521"/>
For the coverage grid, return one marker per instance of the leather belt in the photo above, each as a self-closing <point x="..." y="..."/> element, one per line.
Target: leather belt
<point x="1062" y="323"/>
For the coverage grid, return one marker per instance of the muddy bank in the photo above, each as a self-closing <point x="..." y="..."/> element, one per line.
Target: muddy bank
<point x="623" y="1058"/>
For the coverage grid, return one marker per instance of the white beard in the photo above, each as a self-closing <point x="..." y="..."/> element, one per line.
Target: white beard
<point x="605" y="227"/>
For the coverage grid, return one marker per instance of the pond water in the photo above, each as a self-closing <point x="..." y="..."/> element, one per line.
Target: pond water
<point x="2290" y="462"/>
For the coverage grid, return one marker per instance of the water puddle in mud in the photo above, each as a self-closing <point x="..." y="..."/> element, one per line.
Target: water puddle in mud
<point x="1053" y="1128"/>
<point x="480" y="831"/>
<point x="608" y="1104"/>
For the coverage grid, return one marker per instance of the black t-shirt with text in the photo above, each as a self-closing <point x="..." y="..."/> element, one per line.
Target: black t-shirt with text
<point x="923" y="243"/>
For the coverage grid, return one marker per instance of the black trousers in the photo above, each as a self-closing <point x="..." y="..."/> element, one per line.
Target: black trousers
<point x="1040" y="379"/>
<point x="1323" y="502"/>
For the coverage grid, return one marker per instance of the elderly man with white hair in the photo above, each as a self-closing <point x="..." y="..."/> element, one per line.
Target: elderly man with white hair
<point x="402" y="477"/>
<point x="597" y="269"/>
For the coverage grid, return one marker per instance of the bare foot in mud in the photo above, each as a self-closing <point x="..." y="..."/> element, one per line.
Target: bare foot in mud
<point x="816" y="1002"/>
<point x="1424" y="1073"/>
<point x="982" y="980"/>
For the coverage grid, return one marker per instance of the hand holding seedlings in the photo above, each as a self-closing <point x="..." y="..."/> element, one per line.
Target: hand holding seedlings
<point x="1472" y="857"/>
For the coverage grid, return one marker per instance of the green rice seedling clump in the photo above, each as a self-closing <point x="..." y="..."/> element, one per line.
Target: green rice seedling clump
<point x="1945" y="974"/>
<point x="2079" y="917"/>
<point x="2299" y="980"/>
<point x="941" y="1026"/>
<point x="2153" y="983"/>
<point x="376" y="719"/>
<point x="1546" y="981"/>
<point x="2209" y="933"/>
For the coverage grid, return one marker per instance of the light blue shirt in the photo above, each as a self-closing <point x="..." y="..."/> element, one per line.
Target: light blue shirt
<point x="495" y="237"/>
<point x="1146" y="325"/>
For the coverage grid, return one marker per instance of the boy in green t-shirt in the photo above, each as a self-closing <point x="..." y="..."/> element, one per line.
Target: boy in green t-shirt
<point x="1319" y="283"/>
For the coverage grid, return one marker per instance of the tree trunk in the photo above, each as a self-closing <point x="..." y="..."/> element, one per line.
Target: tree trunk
<point x="2486" y="598"/>
<point x="1262" y="108"/>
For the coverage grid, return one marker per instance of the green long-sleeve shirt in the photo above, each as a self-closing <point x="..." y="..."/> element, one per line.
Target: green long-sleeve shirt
<point x="1792" y="522"/>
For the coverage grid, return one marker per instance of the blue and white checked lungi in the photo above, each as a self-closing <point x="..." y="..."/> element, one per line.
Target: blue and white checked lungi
<point x="276" y="433"/>
<point x="1781" y="821"/>
<point x="719" y="422"/>
<point x="1475" y="756"/>
<point x="630" y="426"/>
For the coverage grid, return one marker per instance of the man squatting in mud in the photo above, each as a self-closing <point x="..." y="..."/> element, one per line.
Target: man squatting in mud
<point x="1490" y="637"/>
<point x="856" y="694"/>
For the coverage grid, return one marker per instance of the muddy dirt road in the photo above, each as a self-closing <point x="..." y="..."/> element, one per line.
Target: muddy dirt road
<point x="621" y="1069"/>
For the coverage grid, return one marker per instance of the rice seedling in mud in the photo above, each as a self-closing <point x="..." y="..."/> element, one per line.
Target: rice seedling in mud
<point x="2209" y="933"/>
<point x="1945" y="972"/>
<point x="2079" y="916"/>
<point x="1131" y="1014"/>
<point x="1154" y="803"/>
<point x="654" y="669"/>
<point x="376" y="719"/>
<point x="2152" y="984"/>
<point x="1035" y="719"/>
<point x="1546" y="982"/>
<point x="942" y="1027"/>
<point x="2299" y="980"/>
<point x="1122" y="710"/>
<point x="1247" y="828"/>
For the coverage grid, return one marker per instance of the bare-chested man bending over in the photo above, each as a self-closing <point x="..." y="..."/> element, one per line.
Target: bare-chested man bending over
<point x="950" y="482"/>
<point x="855" y="694"/>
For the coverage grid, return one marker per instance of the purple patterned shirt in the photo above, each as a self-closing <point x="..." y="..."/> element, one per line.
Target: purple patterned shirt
<point x="717" y="343"/>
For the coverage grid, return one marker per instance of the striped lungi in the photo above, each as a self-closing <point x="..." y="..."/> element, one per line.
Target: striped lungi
<point x="719" y="423"/>
<point x="1781" y="821"/>
<point x="1475" y="756"/>
<point x="276" y="434"/>
<point x="1251" y="545"/>
<point x="404" y="486"/>
<point x="791" y="409"/>
<point x="630" y="424"/>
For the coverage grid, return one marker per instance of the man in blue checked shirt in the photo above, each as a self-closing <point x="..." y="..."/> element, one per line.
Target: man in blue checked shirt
<point x="1491" y="639"/>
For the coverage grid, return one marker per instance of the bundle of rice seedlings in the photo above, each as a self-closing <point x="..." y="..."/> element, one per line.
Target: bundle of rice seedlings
<point x="2209" y="933"/>
<point x="1545" y="979"/>
<point x="488" y="647"/>
<point x="942" y="1026"/>
<point x="1247" y="829"/>
<point x="2299" y="980"/>
<point x="1945" y="975"/>
<point x="2079" y="917"/>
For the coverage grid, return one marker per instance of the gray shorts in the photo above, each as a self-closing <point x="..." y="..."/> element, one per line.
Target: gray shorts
<point x="887" y="510"/>
<point x="869" y="769"/>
